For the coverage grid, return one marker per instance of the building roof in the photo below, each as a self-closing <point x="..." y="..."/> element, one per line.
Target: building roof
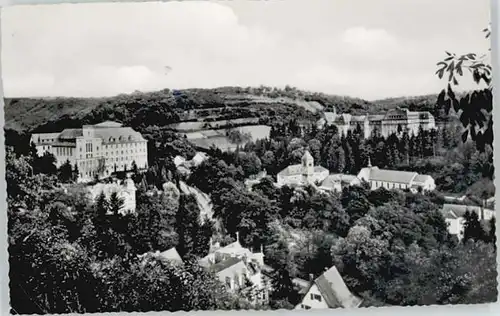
<point x="421" y="178"/>
<point x="395" y="176"/>
<point x="223" y="265"/>
<point x="376" y="117"/>
<point x="307" y="156"/>
<point x="170" y="255"/>
<point x="117" y="134"/>
<point x="330" y="116"/>
<point x="302" y="284"/>
<point x="108" y="131"/>
<point x="454" y="211"/>
<point x="335" y="291"/>
<point x="108" y="124"/>
<point x="358" y="118"/>
<point x="71" y="133"/>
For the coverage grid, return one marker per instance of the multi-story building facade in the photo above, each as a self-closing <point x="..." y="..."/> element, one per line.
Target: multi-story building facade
<point x="393" y="121"/>
<point x="97" y="150"/>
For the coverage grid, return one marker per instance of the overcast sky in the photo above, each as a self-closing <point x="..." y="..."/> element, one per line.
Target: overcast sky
<point x="363" y="48"/>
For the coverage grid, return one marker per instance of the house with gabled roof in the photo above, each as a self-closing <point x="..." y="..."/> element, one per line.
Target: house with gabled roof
<point x="329" y="291"/>
<point x="454" y="216"/>
<point x="239" y="269"/>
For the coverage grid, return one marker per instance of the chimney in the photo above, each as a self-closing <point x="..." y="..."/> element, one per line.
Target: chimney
<point x="261" y="248"/>
<point x="238" y="236"/>
<point x="311" y="277"/>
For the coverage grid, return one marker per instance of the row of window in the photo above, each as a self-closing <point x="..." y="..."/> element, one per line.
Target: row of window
<point x="390" y="185"/>
<point x="142" y="146"/>
<point x="63" y="151"/>
<point x="123" y="145"/>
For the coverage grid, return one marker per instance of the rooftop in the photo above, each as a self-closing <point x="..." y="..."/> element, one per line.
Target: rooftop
<point x="396" y="176"/>
<point x="335" y="291"/>
<point x="223" y="265"/>
<point x="170" y="255"/>
<point x="453" y="211"/>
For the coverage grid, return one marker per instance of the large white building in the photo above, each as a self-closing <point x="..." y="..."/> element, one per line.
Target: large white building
<point x="97" y="150"/>
<point x="393" y="121"/>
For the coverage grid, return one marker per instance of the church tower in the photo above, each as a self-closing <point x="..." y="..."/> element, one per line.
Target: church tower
<point x="307" y="166"/>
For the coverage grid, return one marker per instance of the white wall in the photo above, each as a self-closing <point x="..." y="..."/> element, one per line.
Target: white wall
<point x="313" y="303"/>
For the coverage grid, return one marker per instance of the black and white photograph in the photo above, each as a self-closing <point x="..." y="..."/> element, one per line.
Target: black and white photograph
<point x="248" y="155"/>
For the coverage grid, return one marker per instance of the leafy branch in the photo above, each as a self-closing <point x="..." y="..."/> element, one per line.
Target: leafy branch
<point x="474" y="108"/>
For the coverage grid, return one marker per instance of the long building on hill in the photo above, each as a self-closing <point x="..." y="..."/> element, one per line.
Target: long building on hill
<point x="97" y="150"/>
<point x="393" y="121"/>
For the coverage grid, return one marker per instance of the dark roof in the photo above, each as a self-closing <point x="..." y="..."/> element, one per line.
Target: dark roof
<point x="64" y="144"/>
<point x="223" y="265"/>
<point x="71" y="133"/>
<point x="109" y="132"/>
<point x="335" y="291"/>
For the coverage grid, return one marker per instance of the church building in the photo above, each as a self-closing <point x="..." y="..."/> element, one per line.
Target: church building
<point x="304" y="173"/>
<point x="395" y="179"/>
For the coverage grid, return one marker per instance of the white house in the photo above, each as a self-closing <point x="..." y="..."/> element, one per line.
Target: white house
<point x="336" y="182"/>
<point x="124" y="191"/>
<point x="238" y="268"/>
<point x="395" y="179"/>
<point x="304" y="173"/>
<point x="329" y="291"/>
<point x="454" y="216"/>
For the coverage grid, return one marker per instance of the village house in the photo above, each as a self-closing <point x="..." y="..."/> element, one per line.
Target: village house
<point x="125" y="191"/>
<point x="97" y="150"/>
<point x="454" y="216"/>
<point x="184" y="166"/>
<point x="239" y="268"/>
<point x="328" y="291"/>
<point x="393" y="121"/>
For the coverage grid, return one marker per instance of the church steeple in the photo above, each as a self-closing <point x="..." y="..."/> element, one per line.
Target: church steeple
<point x="307" y="165"/>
